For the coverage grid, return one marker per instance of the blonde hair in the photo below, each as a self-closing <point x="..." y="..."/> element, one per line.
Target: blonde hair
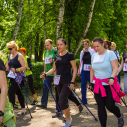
<point x="86" y="40"/>
<point x="113" y="44"/>
<point x="13" y="44"/>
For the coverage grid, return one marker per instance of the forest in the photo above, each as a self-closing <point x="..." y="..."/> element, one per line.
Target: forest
<point x="31" y="22"/>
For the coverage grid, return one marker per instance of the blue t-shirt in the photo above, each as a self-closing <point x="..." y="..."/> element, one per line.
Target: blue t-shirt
<point x="103" y="69"/>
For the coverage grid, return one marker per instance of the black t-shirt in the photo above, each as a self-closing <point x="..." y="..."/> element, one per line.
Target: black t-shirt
<point x="2" y="67"/>
<point x="63" y="65"/>
<point x="86" y="58"/>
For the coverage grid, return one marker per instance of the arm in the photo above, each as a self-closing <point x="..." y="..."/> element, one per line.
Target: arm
<point x="114" y="64"/>
<point x="121" y="66"/>
<point x="91" y="74"/>
<point x="73" y="64"/>
<point x="44" y="67"/>
<point x="51" y="71"/>
<point x="22" y="62"/>
<point x="80" y="63"/>
<point x="7" y="67"/>
<point x="3" y="86"/>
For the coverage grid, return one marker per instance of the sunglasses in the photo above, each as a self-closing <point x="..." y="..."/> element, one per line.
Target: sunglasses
<point x="85" y="44"/>
<point x="10" y="48"/>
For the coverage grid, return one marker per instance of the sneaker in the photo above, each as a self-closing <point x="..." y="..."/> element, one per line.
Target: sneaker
<point x="80" y="108"/>
<point x="34" y="102"/>
<point x="41" y="106"/>
<point x="15" y="106"/>
<point x="67" y="124"/>
<point x="120" y="121"/>
<point x="57" y="114"/>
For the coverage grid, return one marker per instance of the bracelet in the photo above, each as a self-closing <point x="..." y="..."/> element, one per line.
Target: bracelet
<point x="111" y="78"/>
<point x="72" y="83"/>
<point x="18" y="69"/>
<point x="1" y="113"/>
<point x="91" y="84"/>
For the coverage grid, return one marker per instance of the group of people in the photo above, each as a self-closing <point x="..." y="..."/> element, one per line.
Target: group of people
<point x="98" y="65"/>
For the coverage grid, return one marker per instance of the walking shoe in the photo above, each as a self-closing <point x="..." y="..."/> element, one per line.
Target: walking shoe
<point x="15" y="106"/>
<point x="67" y="124"/>
<point x="41" y="106"/>
<point x="121" y="121"/>
<point x="57" y="114"/>
<point x="34" y="102"/>
<point x="80" y="108"/>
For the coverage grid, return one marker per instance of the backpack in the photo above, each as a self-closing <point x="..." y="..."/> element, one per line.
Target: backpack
<point x="54" y="51"/>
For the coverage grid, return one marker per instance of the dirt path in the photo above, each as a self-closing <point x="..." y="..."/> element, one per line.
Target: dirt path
<point x="43" y="117"/>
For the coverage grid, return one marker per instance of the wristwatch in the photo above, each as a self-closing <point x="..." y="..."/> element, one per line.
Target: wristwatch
<point x="111" y="78"/>
<point x="1" y="113"/>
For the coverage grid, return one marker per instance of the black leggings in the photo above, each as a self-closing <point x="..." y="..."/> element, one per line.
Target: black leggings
<point x="64" y="95"/>
<point x="107" y="101"/>
<point x="31" y="84"/>
<point x="14" y="89"/>
<point x="71" y="97"/>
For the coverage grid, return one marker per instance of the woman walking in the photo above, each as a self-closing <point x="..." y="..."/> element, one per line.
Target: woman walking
<point x="63" y="63"/>
<point x="15" y="65"/>
<point x="103" y="75"/>
<point x="84" y="67"/>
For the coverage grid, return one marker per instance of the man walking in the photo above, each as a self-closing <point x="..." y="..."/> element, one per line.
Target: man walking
<point x="49" y="58"/>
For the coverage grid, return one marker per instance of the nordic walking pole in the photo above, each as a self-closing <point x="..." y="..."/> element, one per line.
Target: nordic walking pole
<point x="83" y="104"/>
<point x="54" y="100"/>
<point x="119" y="96"/>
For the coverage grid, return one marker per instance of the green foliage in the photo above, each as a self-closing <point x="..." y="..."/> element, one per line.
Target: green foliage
<point x="37" y="68"/>
<point x="108" y="21"/>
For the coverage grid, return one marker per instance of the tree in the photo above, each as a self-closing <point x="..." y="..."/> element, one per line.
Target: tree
<point x="18" y="20"/>
<point x="86" y="28"/>
<point x="60" y="19"/>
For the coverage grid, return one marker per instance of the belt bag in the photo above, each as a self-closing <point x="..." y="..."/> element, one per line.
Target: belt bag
<point x="24" y="81"/>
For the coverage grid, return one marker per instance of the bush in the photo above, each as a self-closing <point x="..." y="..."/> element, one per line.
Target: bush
<point x="37" y="68"/>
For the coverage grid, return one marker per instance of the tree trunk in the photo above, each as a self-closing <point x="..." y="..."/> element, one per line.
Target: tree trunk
<point x="31" y="43"/>
<point x="36" y="47"/>
<point x="60" y="19"/>
<point x="86" y="28"/>
<point x="45" y="34"/>
<point x="18" y="20"/>
<point x="41" y="50"/>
